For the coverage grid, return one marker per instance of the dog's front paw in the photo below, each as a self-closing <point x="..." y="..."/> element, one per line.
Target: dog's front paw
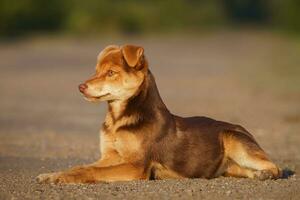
<point x="49" y="178"/>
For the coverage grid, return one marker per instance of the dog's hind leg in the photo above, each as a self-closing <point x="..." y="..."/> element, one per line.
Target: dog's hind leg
<point x="236" y="170"/>
<point x="249" y="160"/>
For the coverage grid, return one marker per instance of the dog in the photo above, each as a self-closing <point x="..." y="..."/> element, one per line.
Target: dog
<point x="141" y="140"/>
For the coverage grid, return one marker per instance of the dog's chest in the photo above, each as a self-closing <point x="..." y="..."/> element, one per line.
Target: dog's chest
<point x="128" y="145"/>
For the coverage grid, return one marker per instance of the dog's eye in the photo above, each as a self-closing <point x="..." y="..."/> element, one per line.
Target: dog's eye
<point x="110" y="73"/>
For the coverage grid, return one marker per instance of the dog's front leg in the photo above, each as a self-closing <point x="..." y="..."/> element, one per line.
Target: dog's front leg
<point x="93" y="174"/>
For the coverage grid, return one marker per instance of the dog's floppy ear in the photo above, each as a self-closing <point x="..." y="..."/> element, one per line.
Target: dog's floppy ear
<point x="133" y="55"/>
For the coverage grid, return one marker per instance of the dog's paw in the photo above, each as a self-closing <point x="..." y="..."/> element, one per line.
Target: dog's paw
<point x="49" y="178"/>
<point x="263" y="175"/>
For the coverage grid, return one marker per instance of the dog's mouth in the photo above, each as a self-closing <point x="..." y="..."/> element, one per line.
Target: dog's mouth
<point x="95" y="98"/>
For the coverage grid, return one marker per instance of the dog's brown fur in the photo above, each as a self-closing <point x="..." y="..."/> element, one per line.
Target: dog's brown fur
<point x="141" y="139"/>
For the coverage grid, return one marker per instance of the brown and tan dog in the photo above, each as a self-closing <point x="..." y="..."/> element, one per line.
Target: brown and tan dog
<point x="141" y="139"/>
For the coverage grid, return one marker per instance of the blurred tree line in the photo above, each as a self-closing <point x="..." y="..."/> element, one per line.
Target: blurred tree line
<point x="141" y="16"/>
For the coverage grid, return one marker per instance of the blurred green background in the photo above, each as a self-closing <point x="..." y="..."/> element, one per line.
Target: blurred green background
<point x="25" y="17"/>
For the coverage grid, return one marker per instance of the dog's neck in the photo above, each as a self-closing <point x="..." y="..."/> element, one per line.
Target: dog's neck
<point x="145" y="106"/>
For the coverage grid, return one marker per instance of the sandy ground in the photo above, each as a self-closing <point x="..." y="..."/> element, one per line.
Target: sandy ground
<point x="251" y="78"/>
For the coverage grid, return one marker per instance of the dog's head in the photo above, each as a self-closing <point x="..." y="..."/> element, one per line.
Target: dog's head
<point x="120" y="71"/>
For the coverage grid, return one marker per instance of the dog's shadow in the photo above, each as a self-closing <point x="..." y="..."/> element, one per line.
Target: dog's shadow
<point x="286" y="173"/>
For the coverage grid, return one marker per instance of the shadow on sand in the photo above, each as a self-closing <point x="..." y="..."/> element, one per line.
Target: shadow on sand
<point x="286" y="173"/>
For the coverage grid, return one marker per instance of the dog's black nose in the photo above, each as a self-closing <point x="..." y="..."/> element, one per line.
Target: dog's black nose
<point x="82" y="87"/>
